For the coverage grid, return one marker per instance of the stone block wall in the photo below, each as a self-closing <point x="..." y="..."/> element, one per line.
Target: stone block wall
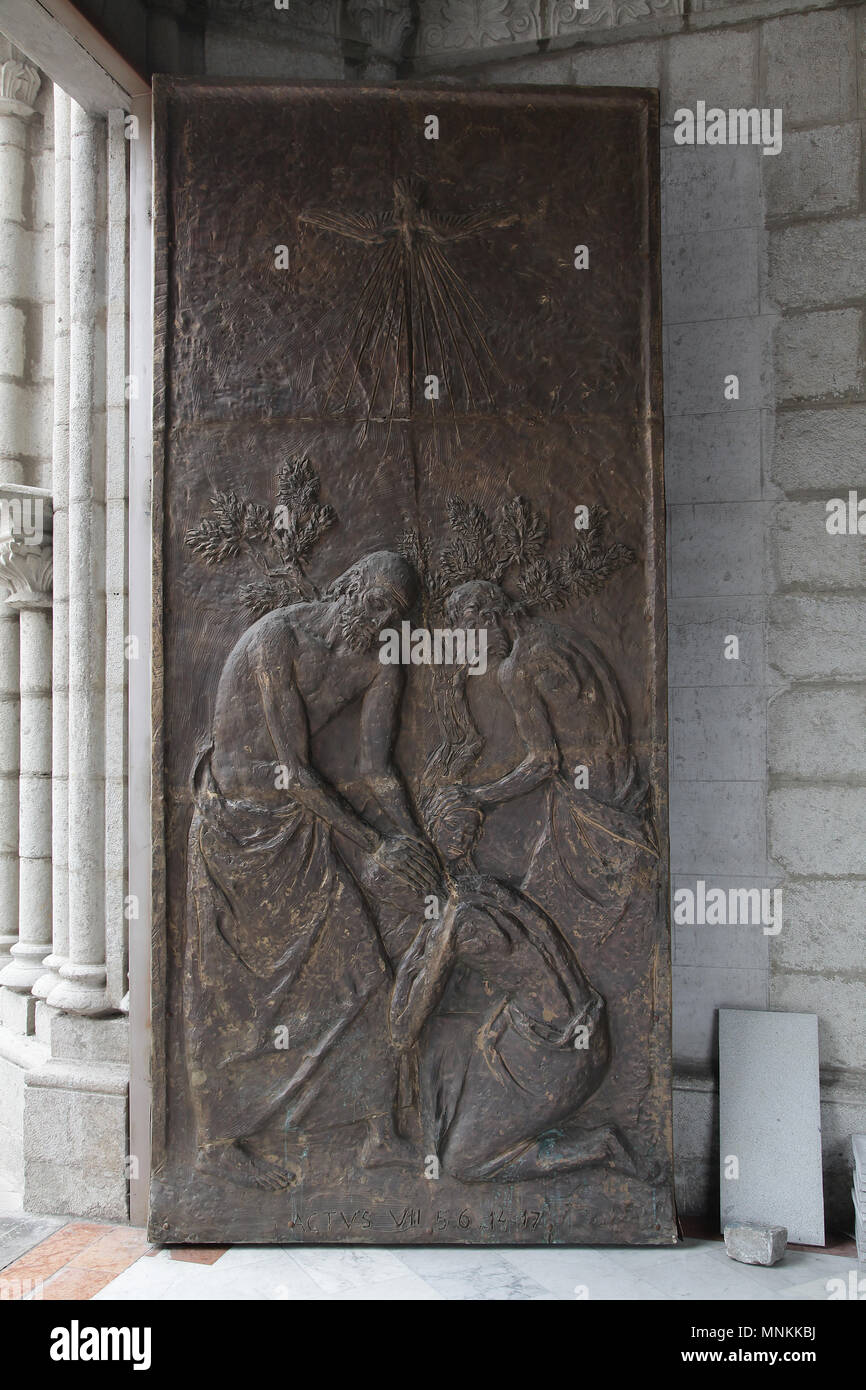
<point x="815" y="281"/>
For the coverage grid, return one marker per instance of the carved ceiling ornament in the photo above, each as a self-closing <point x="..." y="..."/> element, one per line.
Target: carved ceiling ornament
<point x="455" y="25"/>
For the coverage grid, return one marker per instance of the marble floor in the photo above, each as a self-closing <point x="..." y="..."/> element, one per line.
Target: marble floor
<point x="52" y="1259"/>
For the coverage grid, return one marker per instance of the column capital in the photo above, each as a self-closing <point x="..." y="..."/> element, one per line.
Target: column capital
<point x="19" y="87"/>
<point x="25" y="546"/>
<point x="385" y="26"/>
<point x="26" y="571"/>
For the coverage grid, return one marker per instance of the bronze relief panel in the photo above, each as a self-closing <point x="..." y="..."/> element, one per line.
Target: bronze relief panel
<point x="411" y="976"/>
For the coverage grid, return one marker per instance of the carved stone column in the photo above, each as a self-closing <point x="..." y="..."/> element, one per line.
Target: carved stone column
<point x="25" y="563"/>
<point x="60" y="611"/>
<point x="19" y="87"/>
<point x="82" y="985"/>
<point x="9" y="736"/>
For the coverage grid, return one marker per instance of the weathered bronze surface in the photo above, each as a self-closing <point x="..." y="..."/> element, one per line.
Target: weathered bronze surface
<point x="412" y="969"/>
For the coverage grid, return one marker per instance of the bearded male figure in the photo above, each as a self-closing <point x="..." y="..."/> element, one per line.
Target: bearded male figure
<point x="286" y="981"/>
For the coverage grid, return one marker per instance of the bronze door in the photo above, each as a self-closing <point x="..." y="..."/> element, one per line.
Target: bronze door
<point x="412" y="976"/>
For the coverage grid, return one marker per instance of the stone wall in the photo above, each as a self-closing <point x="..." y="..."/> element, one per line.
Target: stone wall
<point x="815" y="280"/>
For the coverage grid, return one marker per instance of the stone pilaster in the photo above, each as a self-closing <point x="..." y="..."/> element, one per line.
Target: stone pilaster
<point x="60" y="611"/>
<point x="9" y="737"/>
<point x="82" y="983"/>
<point x="19" y="88"/>
<point x="26" y="564"/>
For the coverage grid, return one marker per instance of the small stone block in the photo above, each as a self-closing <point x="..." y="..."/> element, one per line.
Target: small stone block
<point x="755" y="1245"/>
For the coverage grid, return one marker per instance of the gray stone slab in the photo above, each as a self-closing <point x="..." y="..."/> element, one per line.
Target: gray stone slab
<point x="700" y="356"/>
<point x="838" y="1003"/>
<point x="18" y="1234"/>
<point x="229" y="54"/>
<point x="817" y="263"/>
<point x="710" y="275"/>
<point x="699" y="993"/>
<point x="824" y="920"/>
<point x="718" y="734"/>
<point x="705" y="189"/>
<point x="815" y="735"/>
<point x="697" y="641"/>
<point x="770" y="1121"/>
<point x="639" y="65"/>
<point x="741" y="946"/>
<point x="719" y="68"/>
<point x="714" y="458"/>
<point x="815" y="449"/>
<point x="718" y="828"/>
<point x="717" y="549"/>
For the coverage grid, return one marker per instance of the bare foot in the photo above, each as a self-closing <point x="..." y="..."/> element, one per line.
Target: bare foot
<point x="239" y="1165"/>
<point x="555" y="1153"/>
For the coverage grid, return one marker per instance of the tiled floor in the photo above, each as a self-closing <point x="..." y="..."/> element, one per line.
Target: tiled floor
<point x="44" y="1257"/>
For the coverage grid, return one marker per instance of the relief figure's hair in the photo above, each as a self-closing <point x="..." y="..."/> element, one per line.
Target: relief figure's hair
<point x="383" y="569"/>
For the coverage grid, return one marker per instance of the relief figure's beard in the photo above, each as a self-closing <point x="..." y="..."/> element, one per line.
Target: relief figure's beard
<point x="498" y="644"/>
<point x="358" y="632"/>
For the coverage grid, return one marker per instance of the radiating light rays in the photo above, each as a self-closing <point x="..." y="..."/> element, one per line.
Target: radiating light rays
<point x="414" y="317"/>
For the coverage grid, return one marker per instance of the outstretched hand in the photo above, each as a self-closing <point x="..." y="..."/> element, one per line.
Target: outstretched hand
<point x="413" y="861"/>
<point x="454" y="798"/>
